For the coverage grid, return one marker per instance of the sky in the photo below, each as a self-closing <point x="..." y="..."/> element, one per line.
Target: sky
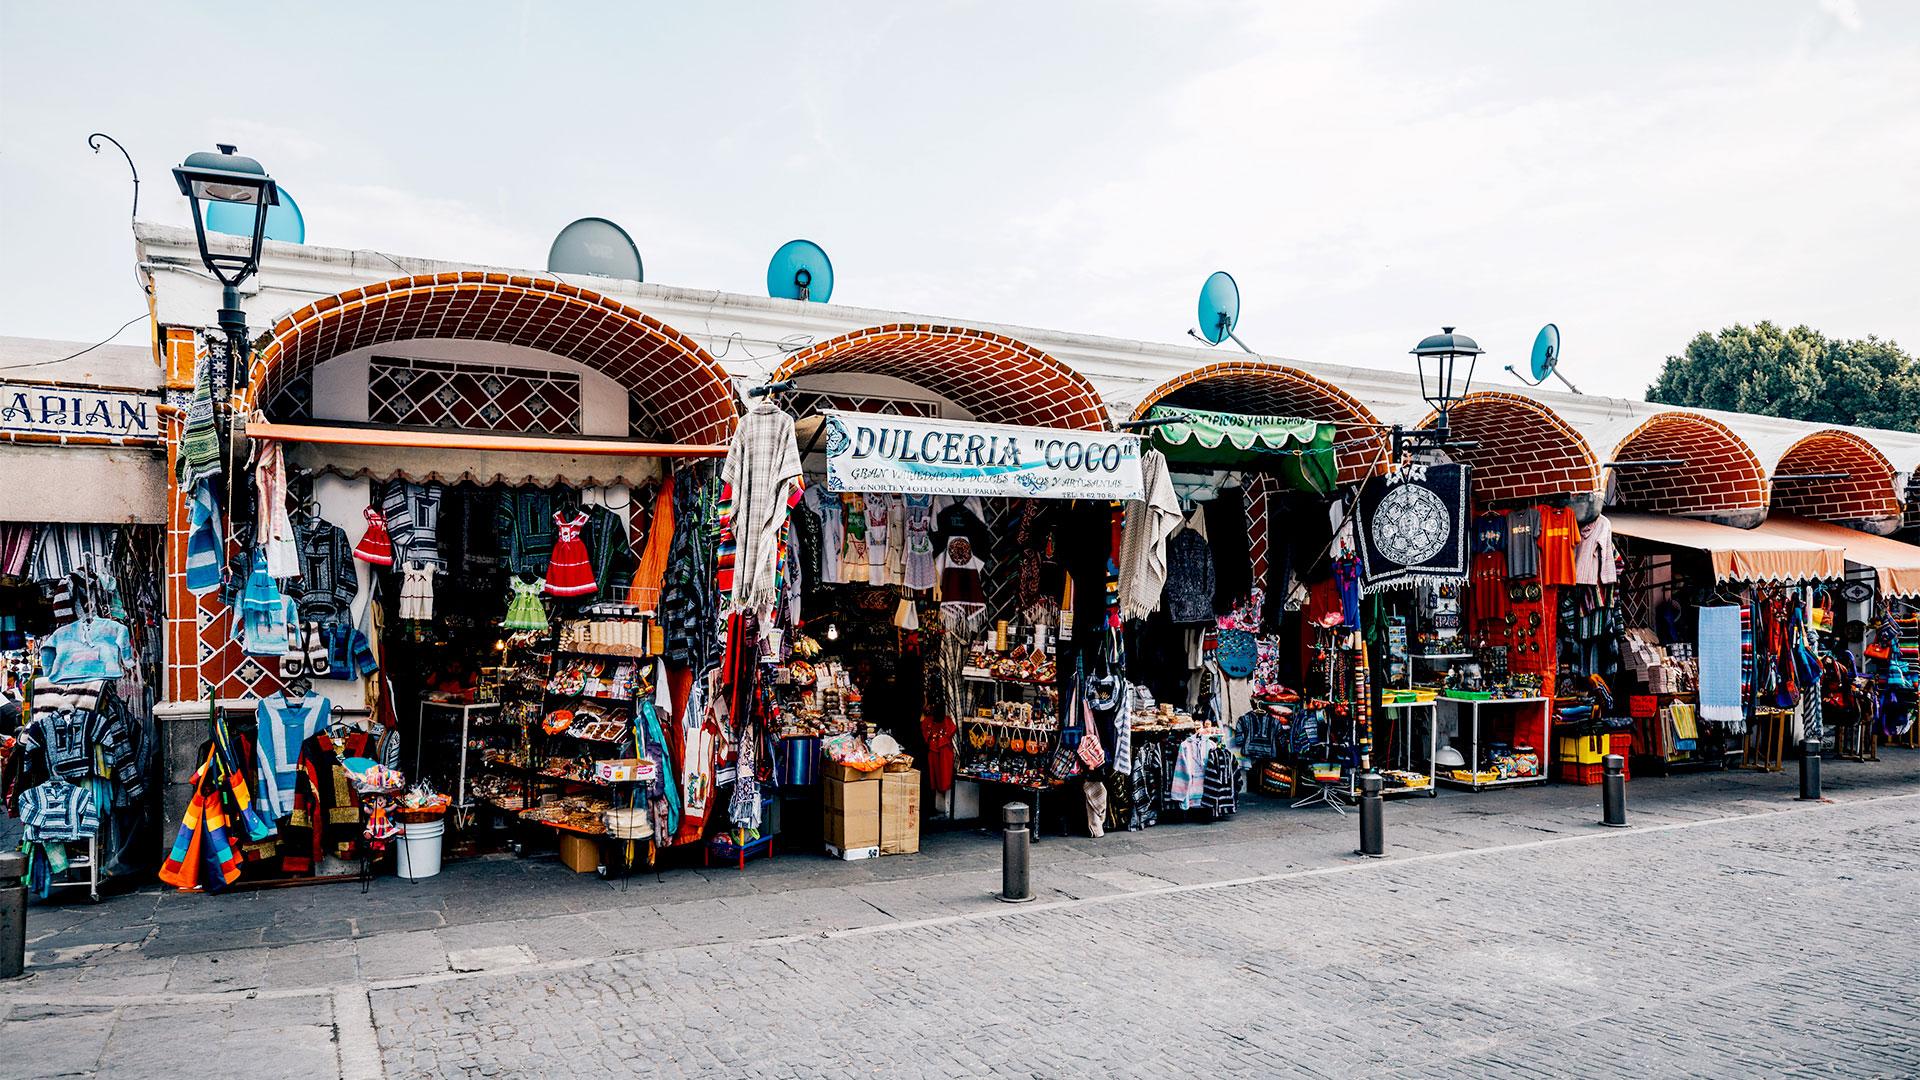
<point x="1635" y="172"/>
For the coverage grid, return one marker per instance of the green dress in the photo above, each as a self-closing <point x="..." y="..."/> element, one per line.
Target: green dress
<point x="527" y="612"/>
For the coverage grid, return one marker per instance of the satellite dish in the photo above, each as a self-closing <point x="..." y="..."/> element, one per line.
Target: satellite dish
<point x="800" y="270"/>
<point x="597" y="247"/>
<point x="1219" y="307"/>
<point x="284" y="221"/>
<point x="1546" y="358"/>
<point x="1546" y="352"/>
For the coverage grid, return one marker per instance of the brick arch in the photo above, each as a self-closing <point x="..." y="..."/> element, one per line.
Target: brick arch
<point x="1525" y="451"/>
<point x="1868" y="495"/>
<point x="682" y="392"/>
<point x="1719" y="476"/>
<point x="996" y="378"/>
<point x="1262" y="388"/>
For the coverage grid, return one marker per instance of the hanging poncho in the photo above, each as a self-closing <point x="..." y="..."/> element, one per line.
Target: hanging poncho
<point x="763" y="467"/>
<point x="1143" y="539"/>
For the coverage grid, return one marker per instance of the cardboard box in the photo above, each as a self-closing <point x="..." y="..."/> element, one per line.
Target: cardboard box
<point x="844" y="831"/>
<point x="581" y="854"/>
<point x="852" y="854"/>
<point x="900" y="813"/>
<point x="625" y="770"/>
<point x="857" y="797"/>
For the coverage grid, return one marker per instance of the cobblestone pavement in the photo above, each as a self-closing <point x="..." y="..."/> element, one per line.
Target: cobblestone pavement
<point x="1772" y="946"/>
<point x="1733" y="931"/>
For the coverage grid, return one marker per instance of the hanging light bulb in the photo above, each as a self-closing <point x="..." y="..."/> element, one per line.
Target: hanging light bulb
<point x="833" y="632"/>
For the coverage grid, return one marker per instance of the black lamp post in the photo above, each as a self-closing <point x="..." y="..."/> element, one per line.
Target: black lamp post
<point x="229" y="177"/>
<point x="1441" y="383"/>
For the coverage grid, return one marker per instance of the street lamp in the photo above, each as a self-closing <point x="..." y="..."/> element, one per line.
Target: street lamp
<point x="1438" y="356"/>
<point x="229" y="177"/>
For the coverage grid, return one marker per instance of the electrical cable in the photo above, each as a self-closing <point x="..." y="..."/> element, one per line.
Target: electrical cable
<point x="82" y="352"/>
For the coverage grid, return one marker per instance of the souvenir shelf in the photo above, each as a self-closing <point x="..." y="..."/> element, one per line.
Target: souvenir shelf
<point x="599" y="671"/>
<point x="500" y="778"/>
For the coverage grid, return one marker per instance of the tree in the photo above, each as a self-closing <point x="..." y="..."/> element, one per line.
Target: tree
<point x="1797" y="373"/>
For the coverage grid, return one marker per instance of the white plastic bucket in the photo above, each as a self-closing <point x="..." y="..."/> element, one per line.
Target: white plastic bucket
<point x="418" y="848"/>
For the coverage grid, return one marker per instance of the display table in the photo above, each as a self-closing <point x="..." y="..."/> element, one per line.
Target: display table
<point x="1470" y="713"/>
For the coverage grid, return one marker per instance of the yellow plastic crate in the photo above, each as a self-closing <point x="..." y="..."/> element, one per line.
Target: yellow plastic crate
<point x="1582" y="749"/>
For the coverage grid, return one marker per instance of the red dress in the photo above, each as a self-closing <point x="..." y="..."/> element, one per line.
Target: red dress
<point x="375" y="547"/>
<point x="569" y="573"/>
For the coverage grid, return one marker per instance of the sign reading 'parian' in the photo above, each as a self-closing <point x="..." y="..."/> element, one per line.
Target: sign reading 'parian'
<point x="38" y="409"/>
<point x="869" y="452"/>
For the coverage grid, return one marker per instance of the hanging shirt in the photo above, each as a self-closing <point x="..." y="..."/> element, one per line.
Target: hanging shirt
<point x="1594" y="560"/>
<point x="61" y="737"/>
<point x="86" y="650"/>
<point x="1559" y="532"/>
<point x="413" y="521"/>
<point x="58" y="811"/>
<point x="285" y="725"/>
<point x="327" y="584"/>
<point x="1489" y="533"/>
<point x="1523" y="542"/>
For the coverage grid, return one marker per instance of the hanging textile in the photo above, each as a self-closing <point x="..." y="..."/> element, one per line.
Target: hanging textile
<point x="644" y="593"/>
<point x="204" y="541"/>
<point x="276" y="526"/>
<point x="763" y="468"/>
<point x="1412" y="527"/>
<point x="200" y="457"/>
<point x="1229" y="536"/>
<point x="1144" y="532"/>
<point x="1720" y="665"/>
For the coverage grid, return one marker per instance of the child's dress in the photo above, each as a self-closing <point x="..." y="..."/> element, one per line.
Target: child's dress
<point x="416" y="591"/>
<point x="526" y="612"/>
<point x="896" y="540"/>
<point x="876" y="511"/>
<point x="920" y="570"/>
<point x="853" y="556"/>
<point x="376" y="546"/>
<point x="569" y="573"/>
<point x="833" y="534"/>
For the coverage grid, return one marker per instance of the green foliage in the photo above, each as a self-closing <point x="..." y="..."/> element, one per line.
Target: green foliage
<point x="1796" y="373"/>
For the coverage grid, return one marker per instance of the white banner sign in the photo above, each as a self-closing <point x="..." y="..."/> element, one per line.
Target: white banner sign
<point x="870" y="452"/>
<point x="33" y="409"/>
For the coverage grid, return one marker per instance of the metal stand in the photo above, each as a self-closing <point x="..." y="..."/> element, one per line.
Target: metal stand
<point x="1324" y="795"/>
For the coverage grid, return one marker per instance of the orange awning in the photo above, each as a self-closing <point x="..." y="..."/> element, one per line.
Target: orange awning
<point x="456" y="457"/>
<point x="1738" y="554"/>
<point x="1896" y="564"/>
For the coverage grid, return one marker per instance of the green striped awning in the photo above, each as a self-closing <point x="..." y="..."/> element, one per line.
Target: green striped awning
<point x="1299" y="452"/>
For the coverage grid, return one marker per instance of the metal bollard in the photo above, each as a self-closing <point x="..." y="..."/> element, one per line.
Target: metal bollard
<point x="1373" y="818"/>
<point x="13" y="915"/>
<point x="1613" y="791"/>
<point x="1014" y="886"/>
<point x="1810" y="770"/>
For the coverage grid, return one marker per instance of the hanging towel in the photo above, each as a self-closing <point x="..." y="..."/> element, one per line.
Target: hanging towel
<point x="1720" y="665"/>
<point x="1143" y="538"/>
<point x="763" y="468"/>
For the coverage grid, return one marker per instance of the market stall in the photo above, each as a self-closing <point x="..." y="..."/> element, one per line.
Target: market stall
<point x="80" y="617"/>
<point x="946" y="604"/>
<point x="1717" y="642"/>
<point x="1867" y="630"/>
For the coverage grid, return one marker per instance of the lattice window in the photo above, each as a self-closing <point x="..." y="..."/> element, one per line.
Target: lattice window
<point x="808" y="402"/>
<point x="294" y="401"/>
<point x="486" y="397"/>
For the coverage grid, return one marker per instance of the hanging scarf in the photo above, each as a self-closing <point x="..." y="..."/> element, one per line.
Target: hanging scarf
<point x="204" y="541"/>
<point x="276" y="526"/>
